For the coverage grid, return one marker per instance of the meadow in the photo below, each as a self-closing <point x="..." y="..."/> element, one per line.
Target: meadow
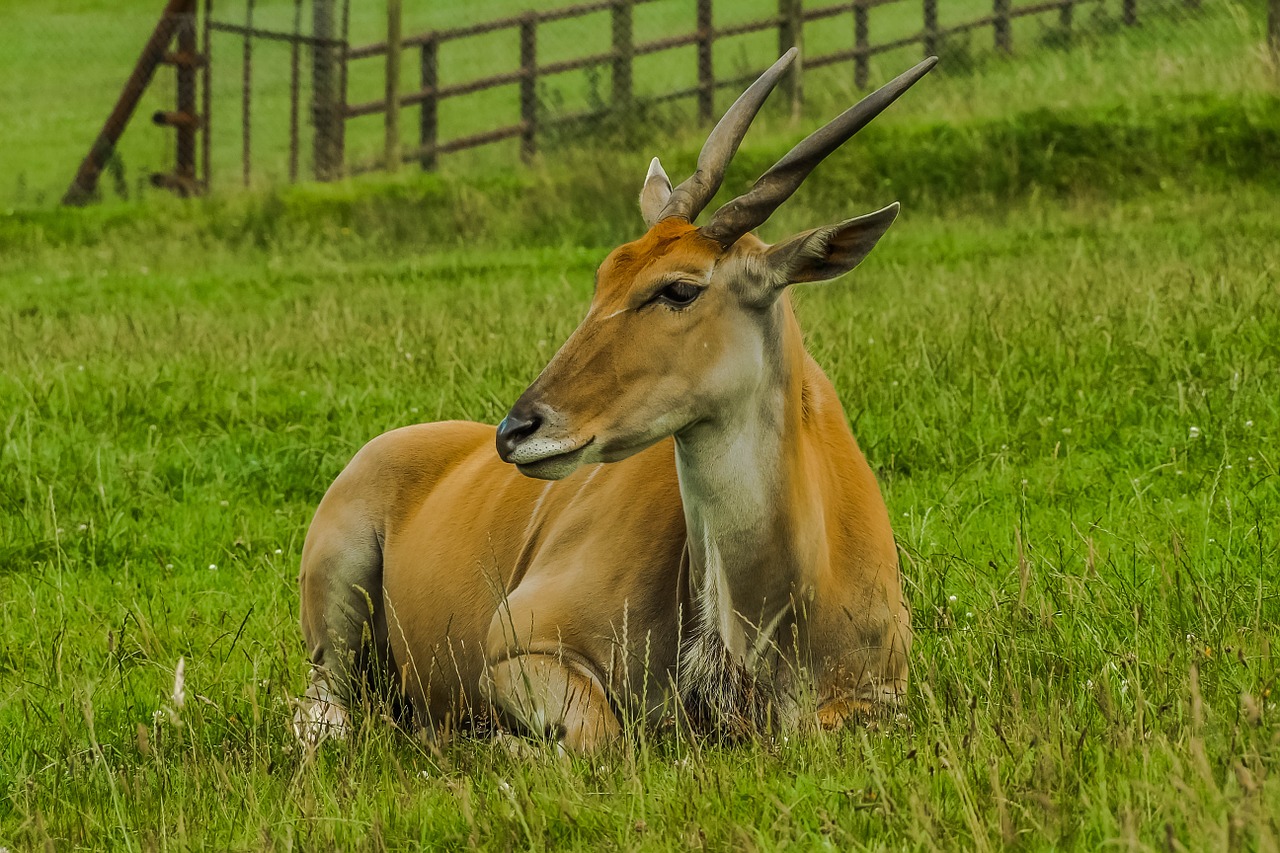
<point x="62" y="66"/>
<point x="1062" y="363"/>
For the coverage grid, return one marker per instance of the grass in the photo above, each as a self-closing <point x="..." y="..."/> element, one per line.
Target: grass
<point x="61" y="68"/>
<point x="1062" y="362"/>
<point x="1071" y="408"/>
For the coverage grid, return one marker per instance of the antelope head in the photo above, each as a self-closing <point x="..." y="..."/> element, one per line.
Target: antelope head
<point x="686" y="321"/>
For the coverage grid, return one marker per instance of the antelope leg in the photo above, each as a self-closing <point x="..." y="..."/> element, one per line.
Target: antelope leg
<point x="548" y="694"/>
<point x="342" y="613"/>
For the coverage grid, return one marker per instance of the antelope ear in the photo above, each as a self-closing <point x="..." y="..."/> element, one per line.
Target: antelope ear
<point x="657" y="189"/>
<point x="830" y="251"/>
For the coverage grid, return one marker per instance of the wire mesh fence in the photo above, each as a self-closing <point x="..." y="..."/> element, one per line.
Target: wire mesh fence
<point x="273" y="91"/>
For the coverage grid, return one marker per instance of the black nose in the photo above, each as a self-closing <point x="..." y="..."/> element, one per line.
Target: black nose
<point x="519" y="424"/>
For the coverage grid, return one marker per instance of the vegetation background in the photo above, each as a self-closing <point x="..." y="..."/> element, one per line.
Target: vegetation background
<point x="1062" y="362"/>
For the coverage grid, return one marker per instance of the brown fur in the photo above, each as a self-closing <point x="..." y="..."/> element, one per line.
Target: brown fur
<point x="571" y="605"/>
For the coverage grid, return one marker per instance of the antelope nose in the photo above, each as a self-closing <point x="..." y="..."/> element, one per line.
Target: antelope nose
<point x="519" y="424"/>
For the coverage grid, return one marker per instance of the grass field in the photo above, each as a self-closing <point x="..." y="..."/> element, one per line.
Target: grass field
<point x="62" y="66"/>
<point x="1072" y="410"/>
<point x="1063" y="363"/>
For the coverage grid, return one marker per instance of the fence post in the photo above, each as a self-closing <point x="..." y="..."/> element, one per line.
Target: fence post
<point x="246" y="93"/>
<point x="295" y="59"/>
<point x="391" y="124"/>
<point x="861" y="45"/>
<point x="1003" y="32"/>
<point x="706" y="71"/>
<point x="791" y="34"/>
<point x="206" y="99"/>
<point x="188" y="58"/>
<point x="429" y="119"/>
<point x="1129" y="12"/>
<point x="529" y="86"/>
<point x="930" y="28"/>
<point x="623" y="54"/>
<point x="325" y="117"/>
<point x="85" y="183"/>
<point x="340" y="106"/>
<point x="1273" y="29"/>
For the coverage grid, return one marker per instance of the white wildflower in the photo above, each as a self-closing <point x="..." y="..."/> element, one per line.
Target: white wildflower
<point x="1194" y="432"/>
<point x="179" y="696"/>
<point x="180" y="683"/>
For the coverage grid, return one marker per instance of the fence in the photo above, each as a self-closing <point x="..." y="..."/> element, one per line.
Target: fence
<point x="619" y="57"/>
<point x="174" y="43"/>
<point x="287" y="89"/>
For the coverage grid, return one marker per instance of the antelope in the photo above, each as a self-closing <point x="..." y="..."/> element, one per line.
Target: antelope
<point x="677" y="514"/>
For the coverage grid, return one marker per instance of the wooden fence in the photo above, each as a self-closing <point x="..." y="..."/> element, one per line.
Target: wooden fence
<point x="328" y="52"/>
<point x="620" y="54"/>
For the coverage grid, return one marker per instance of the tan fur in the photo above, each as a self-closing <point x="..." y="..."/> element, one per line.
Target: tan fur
<point x="572" y="605"/>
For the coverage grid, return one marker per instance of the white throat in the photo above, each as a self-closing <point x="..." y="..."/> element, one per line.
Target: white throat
<point x="745" y="570"/>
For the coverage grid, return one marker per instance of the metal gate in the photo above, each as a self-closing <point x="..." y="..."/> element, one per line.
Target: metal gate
<point x="183" y="39"/>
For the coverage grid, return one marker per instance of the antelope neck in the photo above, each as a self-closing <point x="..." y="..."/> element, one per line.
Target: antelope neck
<point x="752" y="521"/>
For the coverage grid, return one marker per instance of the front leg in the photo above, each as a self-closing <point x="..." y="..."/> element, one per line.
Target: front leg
<point x="553" y="694"/>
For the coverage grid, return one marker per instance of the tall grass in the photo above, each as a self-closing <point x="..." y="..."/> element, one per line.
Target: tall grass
<point x="1062" y="362"/>
<point x="1071" y="410"/>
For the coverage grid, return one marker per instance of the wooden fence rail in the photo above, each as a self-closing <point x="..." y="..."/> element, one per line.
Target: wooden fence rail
<point x="181" y="41"/>
<point x="622" y="50"/>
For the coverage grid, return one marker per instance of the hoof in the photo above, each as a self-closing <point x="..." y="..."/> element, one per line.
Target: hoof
<point x="319" y="717"/>
<point x="523" y="749"/>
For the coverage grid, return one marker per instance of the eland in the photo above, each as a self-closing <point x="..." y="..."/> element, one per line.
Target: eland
<point x="676" y="520"/>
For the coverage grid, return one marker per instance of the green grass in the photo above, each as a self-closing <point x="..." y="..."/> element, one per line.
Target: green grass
<point x="62" y="67"/>
<point x="1027" y="385"/>
<point x="1062" y="362"/>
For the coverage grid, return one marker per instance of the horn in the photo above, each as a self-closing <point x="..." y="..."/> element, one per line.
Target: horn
<point x="688" y="199"/>
<point x="775" y="186"/>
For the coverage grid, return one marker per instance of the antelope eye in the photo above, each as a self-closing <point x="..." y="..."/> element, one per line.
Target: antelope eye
<point x="678" y="294"/>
